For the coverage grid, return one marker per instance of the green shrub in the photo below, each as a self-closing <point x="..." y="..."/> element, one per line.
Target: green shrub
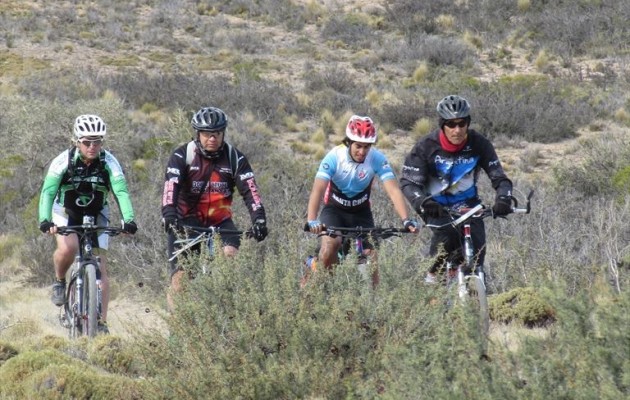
<point x="7" y="351"/>
<point x="522" y="305"/>
<point x="112" y="354"/>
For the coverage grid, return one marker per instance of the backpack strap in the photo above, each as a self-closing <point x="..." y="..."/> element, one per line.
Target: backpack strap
<point x="70" y="170"/>
<point x="233" y="157"/>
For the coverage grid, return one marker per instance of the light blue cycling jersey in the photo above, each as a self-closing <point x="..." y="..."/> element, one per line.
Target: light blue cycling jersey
<point x="350" y="182"/>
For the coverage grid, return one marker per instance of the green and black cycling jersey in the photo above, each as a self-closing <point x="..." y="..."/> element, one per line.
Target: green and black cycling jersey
<point x="82" y="188"/>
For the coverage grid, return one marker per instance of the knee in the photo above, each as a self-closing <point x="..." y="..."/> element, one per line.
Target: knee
<point x="230" y="251"/>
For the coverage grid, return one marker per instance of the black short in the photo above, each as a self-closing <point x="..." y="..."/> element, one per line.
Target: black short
<point x="226" y="239"/>
<point x="333" y="216"/>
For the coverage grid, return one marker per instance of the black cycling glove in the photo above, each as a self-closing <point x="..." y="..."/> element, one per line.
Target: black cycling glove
<point x="45" y="226"/>
<point x="129" y="227"/>
<point x="259" y="230"/>
<point x="502" y="206"/>
<point x="433" y="209"/>
<point x="171" y="224"/>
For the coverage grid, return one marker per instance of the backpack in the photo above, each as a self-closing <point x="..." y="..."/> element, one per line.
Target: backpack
<point x="70" y="171"/>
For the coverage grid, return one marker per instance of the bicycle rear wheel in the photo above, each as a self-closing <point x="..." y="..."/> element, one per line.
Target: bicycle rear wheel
<point x="479" y="301"/>
<point x="88" y="316"/>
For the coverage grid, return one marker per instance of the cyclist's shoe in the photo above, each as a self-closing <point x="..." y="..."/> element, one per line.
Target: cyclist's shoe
<point x="58" y="293"/>
<point x="101" y="327"/>
<point x="431" y="278"/>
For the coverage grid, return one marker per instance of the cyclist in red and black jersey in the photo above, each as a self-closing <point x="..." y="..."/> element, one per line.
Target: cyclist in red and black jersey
<point x="199" y="186"/>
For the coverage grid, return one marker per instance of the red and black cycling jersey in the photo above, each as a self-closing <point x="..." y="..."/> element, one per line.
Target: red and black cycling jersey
<point x="203" y="188"/>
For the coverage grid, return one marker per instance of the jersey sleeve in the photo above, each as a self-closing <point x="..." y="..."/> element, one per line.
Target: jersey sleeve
<point x="328" y="166"/>
<point x="382" y="167"/>
<point x="173" y="178"/>
<point x="248" y="188"/>
<point x="491" y="164"/>
<point x="50" y="187"/>
<point x="414" y="176"/>
<point x="119" y="186"/>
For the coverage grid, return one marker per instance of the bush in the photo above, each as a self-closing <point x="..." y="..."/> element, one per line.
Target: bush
<point x="523" y="305"/>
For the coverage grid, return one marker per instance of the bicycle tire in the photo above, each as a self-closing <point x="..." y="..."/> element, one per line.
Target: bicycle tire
<point x="479" y="301"/>
<point x="72" y="315"/>
<point x="88" y="316"/>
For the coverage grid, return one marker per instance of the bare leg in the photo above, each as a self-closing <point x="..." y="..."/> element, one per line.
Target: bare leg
<point x="63" y="257"/>
<point x="328" y="251"/>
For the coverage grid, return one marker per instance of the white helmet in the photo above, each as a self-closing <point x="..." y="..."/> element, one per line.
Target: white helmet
<point x="89" y="125"/>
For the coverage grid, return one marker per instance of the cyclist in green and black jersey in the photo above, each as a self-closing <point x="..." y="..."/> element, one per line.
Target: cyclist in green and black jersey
<point x="77" y="184"/>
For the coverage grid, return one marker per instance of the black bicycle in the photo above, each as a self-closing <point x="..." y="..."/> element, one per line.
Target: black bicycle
<point x="352" y="243"/>
<point x="468" y="278"/>
<point x="82" y="308"/>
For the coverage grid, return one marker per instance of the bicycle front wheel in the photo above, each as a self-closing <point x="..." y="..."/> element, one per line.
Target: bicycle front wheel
<point x="88" y="315"/>
<point x="71" y="309"/>
<point x="479" y="301"/>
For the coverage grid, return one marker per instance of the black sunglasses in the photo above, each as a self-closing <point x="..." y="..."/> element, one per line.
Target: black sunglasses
<point x="88" y="143"/>
<point x="210" y="134"/>
<point x="452" y="123"/>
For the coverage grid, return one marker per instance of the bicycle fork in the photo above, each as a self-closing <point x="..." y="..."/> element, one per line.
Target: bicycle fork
<point x="469" y="256"/>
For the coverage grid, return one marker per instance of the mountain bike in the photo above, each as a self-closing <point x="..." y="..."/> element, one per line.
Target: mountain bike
<point x="200" y="235"/>
<point x="467" y="279"/>
<point x="352" y="243"/>
<point x="82" y="308"/>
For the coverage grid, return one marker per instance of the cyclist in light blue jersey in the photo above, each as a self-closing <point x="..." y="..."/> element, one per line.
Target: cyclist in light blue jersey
<point x="344" y="182"/>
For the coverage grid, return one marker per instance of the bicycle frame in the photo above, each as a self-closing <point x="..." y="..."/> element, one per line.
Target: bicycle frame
<point x="203" y="235"/>
<point x="473" y="286"/>
<point x="461" y="220"/>
<point x="83" y="305"/>
<point x="352" y="238"/>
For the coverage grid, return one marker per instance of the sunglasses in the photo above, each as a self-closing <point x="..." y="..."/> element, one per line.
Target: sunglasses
<point x="89" y="143"/>
<point x="452" y="123"/>
<point x="208" y="134"/>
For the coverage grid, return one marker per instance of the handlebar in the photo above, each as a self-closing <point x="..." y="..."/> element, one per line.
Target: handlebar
<point x="215" y="230"/>
<point x="482" y="211"/>
<point x="85" y="229"/>
<point x="334" y="231"/>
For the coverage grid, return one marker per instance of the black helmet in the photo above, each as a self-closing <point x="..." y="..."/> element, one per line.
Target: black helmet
<point x="453" y="107"/>
<point x="209" y="119"/>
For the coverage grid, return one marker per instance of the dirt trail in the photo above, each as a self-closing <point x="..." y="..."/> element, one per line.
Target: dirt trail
<point x="28" y="311"/>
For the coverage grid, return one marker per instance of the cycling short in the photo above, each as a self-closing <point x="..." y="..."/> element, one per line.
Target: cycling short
<point x="333" y="216"/>
<point x="226" y="239"/>
<point x="61" y="218"/>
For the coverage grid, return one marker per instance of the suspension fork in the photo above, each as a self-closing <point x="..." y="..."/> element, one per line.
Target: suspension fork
<point x="469" y="256"/>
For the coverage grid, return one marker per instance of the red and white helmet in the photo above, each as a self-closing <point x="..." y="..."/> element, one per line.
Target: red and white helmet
<point x="361" y="129"/>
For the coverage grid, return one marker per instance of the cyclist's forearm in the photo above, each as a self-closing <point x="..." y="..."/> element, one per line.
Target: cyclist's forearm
<point x="319" y="186"/>
<point x="121" y="192"/>
<point x="397" y="198"/>
<point x="47" y="197"/>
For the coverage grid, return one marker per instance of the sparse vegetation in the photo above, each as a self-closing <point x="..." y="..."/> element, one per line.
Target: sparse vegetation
<point x="289" y="73"/>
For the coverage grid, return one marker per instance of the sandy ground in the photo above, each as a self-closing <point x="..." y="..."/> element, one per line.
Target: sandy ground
<point x="28" y="311"/>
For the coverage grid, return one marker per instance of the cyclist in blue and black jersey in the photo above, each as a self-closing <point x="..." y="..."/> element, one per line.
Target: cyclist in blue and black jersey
<point x="77" y="184"/>
<point x="442" y="171"/>
<point x="344" y="181"/>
